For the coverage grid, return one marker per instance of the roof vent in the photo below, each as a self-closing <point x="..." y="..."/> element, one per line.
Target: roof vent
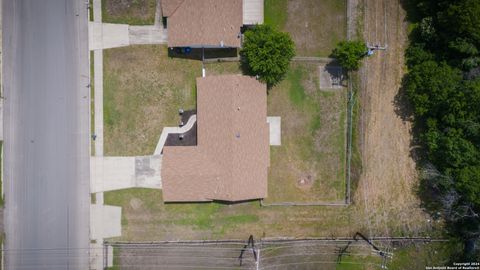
<point x="237" y="135"/>
<point x="222" y="44"/>
<point x="180" y="137"/>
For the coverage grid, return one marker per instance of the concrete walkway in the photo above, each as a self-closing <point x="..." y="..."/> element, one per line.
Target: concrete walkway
<point x="114" y="173"/>
<point x="105" y="221"/>
<point x="1" y="84"/>
<point x="173" y="130"/>
<point x="98" y="82"/>
<point x="158" y="14"/>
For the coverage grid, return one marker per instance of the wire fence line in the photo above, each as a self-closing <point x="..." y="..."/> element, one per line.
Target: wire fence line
<point x="349" y="129"/>
<point x="265" y="253"/>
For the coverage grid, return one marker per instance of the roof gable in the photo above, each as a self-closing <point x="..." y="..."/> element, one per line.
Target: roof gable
<point x="204" y="23"/>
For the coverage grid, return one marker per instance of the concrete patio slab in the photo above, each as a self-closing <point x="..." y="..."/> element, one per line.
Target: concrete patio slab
<point x="105" y="221"/>
<point x="109" y="256"/>
<point x="275" y="130"/>
<point x="330" y="77"/>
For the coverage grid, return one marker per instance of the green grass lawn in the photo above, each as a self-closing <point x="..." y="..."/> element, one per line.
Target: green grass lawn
<point x="146" y="218"/>
<point x="275" y="13"/>
<point x="143" y="90"/>
<point x="309" y="166"/>
<point x="219" y="68"/>
<point x="1" y="174"/>
<point x="365" y="262"/>
<point x="417" y="256"/>
<point x="90" y="10"/>
<point x="315" y="26"/>
<point x="133" y="12"/>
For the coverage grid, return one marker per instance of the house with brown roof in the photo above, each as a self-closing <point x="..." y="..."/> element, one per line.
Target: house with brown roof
<point x="209" y="23"/>
<point x="231" y="158"/>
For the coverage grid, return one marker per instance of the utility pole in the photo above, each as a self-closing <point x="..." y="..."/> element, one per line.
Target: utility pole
<point x="375" y="47"/>
<point x="250" y="246"/>
<point x="384" y="254"/>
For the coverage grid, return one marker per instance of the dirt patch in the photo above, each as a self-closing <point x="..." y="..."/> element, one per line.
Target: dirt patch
<point x="136" y="203"/>
<point x="306" y="181"/>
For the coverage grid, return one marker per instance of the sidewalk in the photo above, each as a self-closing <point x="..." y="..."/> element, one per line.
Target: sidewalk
<point x="113" y="173"/>
<point x="105" y="221"/>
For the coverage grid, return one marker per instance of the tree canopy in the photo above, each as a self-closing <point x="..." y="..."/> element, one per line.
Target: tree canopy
<point x="443" y="85"/>
<point x="267" y="53"/>
<point x="349" y="54"/>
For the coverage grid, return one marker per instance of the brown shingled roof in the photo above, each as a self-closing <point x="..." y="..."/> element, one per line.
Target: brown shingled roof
<point x="169" y="6"/>
<point x="203" y="23"/>
<point x="231" y="160"/>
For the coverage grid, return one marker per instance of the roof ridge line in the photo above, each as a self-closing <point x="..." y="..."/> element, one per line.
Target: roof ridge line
<point x="183" y="1"/>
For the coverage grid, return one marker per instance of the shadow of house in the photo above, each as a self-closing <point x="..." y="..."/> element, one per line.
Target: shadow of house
<point x="188" y="138"/>
<point x="202" y="53"/>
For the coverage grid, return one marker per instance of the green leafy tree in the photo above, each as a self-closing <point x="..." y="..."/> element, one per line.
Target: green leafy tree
<point x="349" y="54"/>
<point x="468" y="182"/>
<point x="416" y="54"/>
<point x="461" y="19"/>
<point x="443" y="86"/>
<point x="267" y="53"/>
<point x="430" y="85"/>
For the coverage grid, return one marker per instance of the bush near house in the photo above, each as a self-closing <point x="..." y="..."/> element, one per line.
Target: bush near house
<point x="267" y="53"/>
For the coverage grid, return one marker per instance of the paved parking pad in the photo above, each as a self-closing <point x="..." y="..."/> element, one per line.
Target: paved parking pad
<point x="114" y="173"/>
<point x="331" y="76"/>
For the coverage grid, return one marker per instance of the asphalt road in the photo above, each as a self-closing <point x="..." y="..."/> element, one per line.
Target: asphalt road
<point x="46" y="125"/>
